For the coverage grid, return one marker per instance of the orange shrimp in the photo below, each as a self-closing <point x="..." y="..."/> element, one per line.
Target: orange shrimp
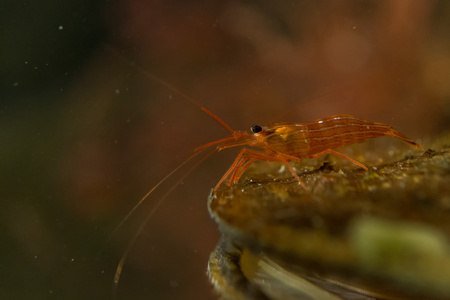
<point x="285" y="142"/>
<point x="278" y="142"/>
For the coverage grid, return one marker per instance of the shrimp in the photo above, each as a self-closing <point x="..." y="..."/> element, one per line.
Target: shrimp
<point x="277" y="142"/>
<point x="286" y="142"/>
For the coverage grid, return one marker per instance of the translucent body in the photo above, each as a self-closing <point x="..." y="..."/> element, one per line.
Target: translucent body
<point x="306" y="140"/>
<point x="285" y="142"/>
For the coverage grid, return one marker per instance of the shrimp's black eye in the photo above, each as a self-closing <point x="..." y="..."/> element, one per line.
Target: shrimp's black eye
<point x="256" y="128"/>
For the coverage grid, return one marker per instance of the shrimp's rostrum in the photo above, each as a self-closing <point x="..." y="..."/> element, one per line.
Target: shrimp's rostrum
<point x="285" y="142"/>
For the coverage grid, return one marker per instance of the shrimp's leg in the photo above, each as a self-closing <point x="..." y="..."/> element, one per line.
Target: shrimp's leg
<point x="329" y="151"/>
<point x="236" y="163"/>
<point x="285" y="162"/>
<point x="243" y="160"/>
<point x="238" y="173"/>
<point x="246" y="157"/>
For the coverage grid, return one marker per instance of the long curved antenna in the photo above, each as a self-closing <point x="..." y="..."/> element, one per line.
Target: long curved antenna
<point x="153" y="210"/>
<point x="221" y="122"/>
<point x="232" y="143"/>
<point x="168" y="86"/>
<point x="137" y="205"/>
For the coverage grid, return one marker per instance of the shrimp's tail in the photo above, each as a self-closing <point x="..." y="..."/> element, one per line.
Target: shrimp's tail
<point x="397" y="134"/>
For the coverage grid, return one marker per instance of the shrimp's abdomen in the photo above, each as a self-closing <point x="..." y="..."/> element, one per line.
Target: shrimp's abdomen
<point x="342" y="130"/>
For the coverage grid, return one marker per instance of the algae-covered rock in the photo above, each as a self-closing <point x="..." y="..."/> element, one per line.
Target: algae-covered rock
<point x="353" y="234"/>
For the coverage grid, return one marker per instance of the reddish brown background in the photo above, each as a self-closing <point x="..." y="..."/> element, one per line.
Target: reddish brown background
<point x="114" y="131"/>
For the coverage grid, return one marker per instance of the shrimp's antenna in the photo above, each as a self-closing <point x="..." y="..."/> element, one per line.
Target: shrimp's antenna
<point x="196" y="153"/>
<point x="167" y="85"/>
<point x="221" y="122"/>
<point x="137" y="205"/>
<point x="154" y="209"/>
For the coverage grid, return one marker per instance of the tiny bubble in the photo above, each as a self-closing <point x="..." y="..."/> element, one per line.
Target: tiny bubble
<point x="26" y="63"/>
<point x="117" y="91"/>
<point x="60" y="27"/>
<point x="35" y="257"/>
<point x="15" y="84"/>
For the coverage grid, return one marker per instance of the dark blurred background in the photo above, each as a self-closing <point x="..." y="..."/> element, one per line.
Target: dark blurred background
<point x="86" y="132"/>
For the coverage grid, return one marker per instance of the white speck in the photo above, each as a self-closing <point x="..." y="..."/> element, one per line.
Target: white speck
<point x="170" y="97"/>
<point x="15" y="84"/>
<point x="72" y="260"/>
<point x="320" y="122"/>
<point x="60" y="27"/>
<point x="354" y="27"/>
<point x="26" y="63"/>
<point x="35" y="257"/>
<point x="117" y="91"/>
<point x="281" y="170"/>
